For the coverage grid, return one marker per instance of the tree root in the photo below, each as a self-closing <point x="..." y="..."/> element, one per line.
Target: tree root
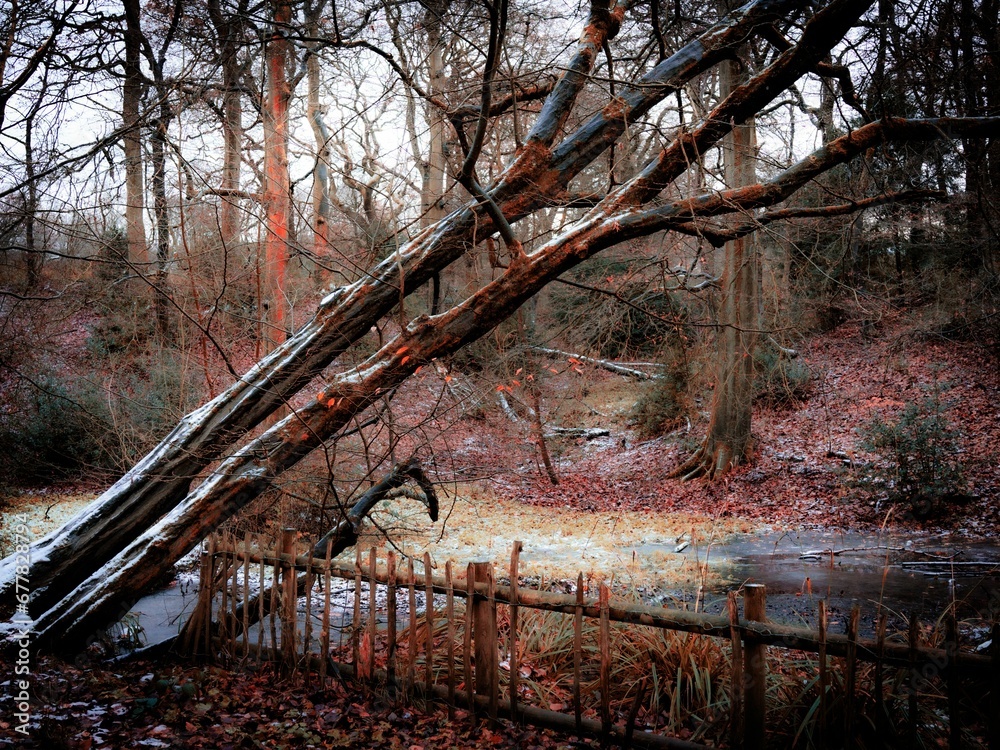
<point x="705" y="463"/>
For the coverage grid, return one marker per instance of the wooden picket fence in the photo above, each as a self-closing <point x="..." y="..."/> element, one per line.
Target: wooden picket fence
<point x="249" y="606"/>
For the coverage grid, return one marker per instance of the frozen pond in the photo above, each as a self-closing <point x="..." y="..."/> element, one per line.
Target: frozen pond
<point x="904" y="574"/>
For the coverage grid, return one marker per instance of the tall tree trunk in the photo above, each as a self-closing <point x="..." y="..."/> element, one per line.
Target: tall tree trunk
<point x="436" y="166"/>
<point x="232" y="122"/>
<point x="728" y="441"/>
<point x="276" y="183"/>
<point x="33" y="258"/>
<point x="135" y="230"/>
<point x="157" y="152"/>
<point x="322" y="204"/>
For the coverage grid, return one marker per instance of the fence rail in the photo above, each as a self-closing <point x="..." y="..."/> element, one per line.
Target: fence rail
<point x="246" y="586"/>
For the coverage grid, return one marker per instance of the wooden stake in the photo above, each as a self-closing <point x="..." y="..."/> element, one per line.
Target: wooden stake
<point x="754" y="671"/>
<point x="224" y="591"/>
<point x="429" y="618"/>
<point x="881" y="716"/>
<point x="470" y="588"/>
<point x="994" y="723"/>
<point x="578" y="654"/>
<point x="912" y="683"/>
<point x="194" y="629"/>
<point x="262" y="566"/>
<point x="372" y="632"/>
<point x="736" y="685"/>
<point x="484" y="634"/>
<point x="852" y="675"/>
<point x="954" y="684"/>
<point x="246" y="590"/>
<point x="325" y="632"/>
<point x="234" y="597"/>
<point x="356" y="622"/>
<point x="209" y="596"/>
<point x="275" y="585"/>
<point x="640" y="693"/>
<point x="289" y="590"/>
<point x="390" y="667"/>
<point x="307" y="626"/>
<point x="515" y="555"/>
<point x="450" y="613"/>
<point x="605" y="646"/>
<point x="411" y="669"/>
<point x="823" y="676"/>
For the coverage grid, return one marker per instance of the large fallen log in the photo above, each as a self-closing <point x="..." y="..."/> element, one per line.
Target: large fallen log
<point x="536" y="178"/>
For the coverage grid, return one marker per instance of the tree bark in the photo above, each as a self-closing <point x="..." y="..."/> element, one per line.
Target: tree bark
<point x="322" y="204"/>
<point x="276" y="182"/>
<point x="226" y="29"/>
<point x="435" y="167"/>
<point x="162" y="301"/>
<point x="33" y="258"/>
<point x="728" y="442"/>
<point x="132" y="141"/>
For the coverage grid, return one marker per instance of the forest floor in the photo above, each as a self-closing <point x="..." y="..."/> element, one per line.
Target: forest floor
<point x="611" y="489"/>
<point x="807" y="451"/>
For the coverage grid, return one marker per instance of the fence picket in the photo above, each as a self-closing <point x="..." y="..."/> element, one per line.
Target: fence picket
<point x="952" y="675"/>
<point x="470" y="588"/>
<point x="754" y="670"/>
<point x="356" y="621"/>
<point x="289" y="631"/>
<point x="371" y="632"/>
<point x="307" y="625"/>
<point x="512" y="659"/>
<point x="390" y="605"/>
<point x="234" y="598"/>
<point x="325" y="632"/>
<point x="411" y="655"/>
<point x="260" y="599"/>
<point x="852" y="672"/>
<point x="450" y="611"/>
<point x="429" y="618"/>
<point x="823" y="676"/>
<point x="223" y="589"/>
<point x="736" y="673"/>
<point x="246" y="588"/>
<point x="605" y="674"/>
<point x="578" y="653"/>
<point x="273" y="611"/>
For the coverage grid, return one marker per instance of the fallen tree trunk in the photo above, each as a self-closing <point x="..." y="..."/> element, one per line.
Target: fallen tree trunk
<point x="536" y="178"/>
<point x="605" y="364"/>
